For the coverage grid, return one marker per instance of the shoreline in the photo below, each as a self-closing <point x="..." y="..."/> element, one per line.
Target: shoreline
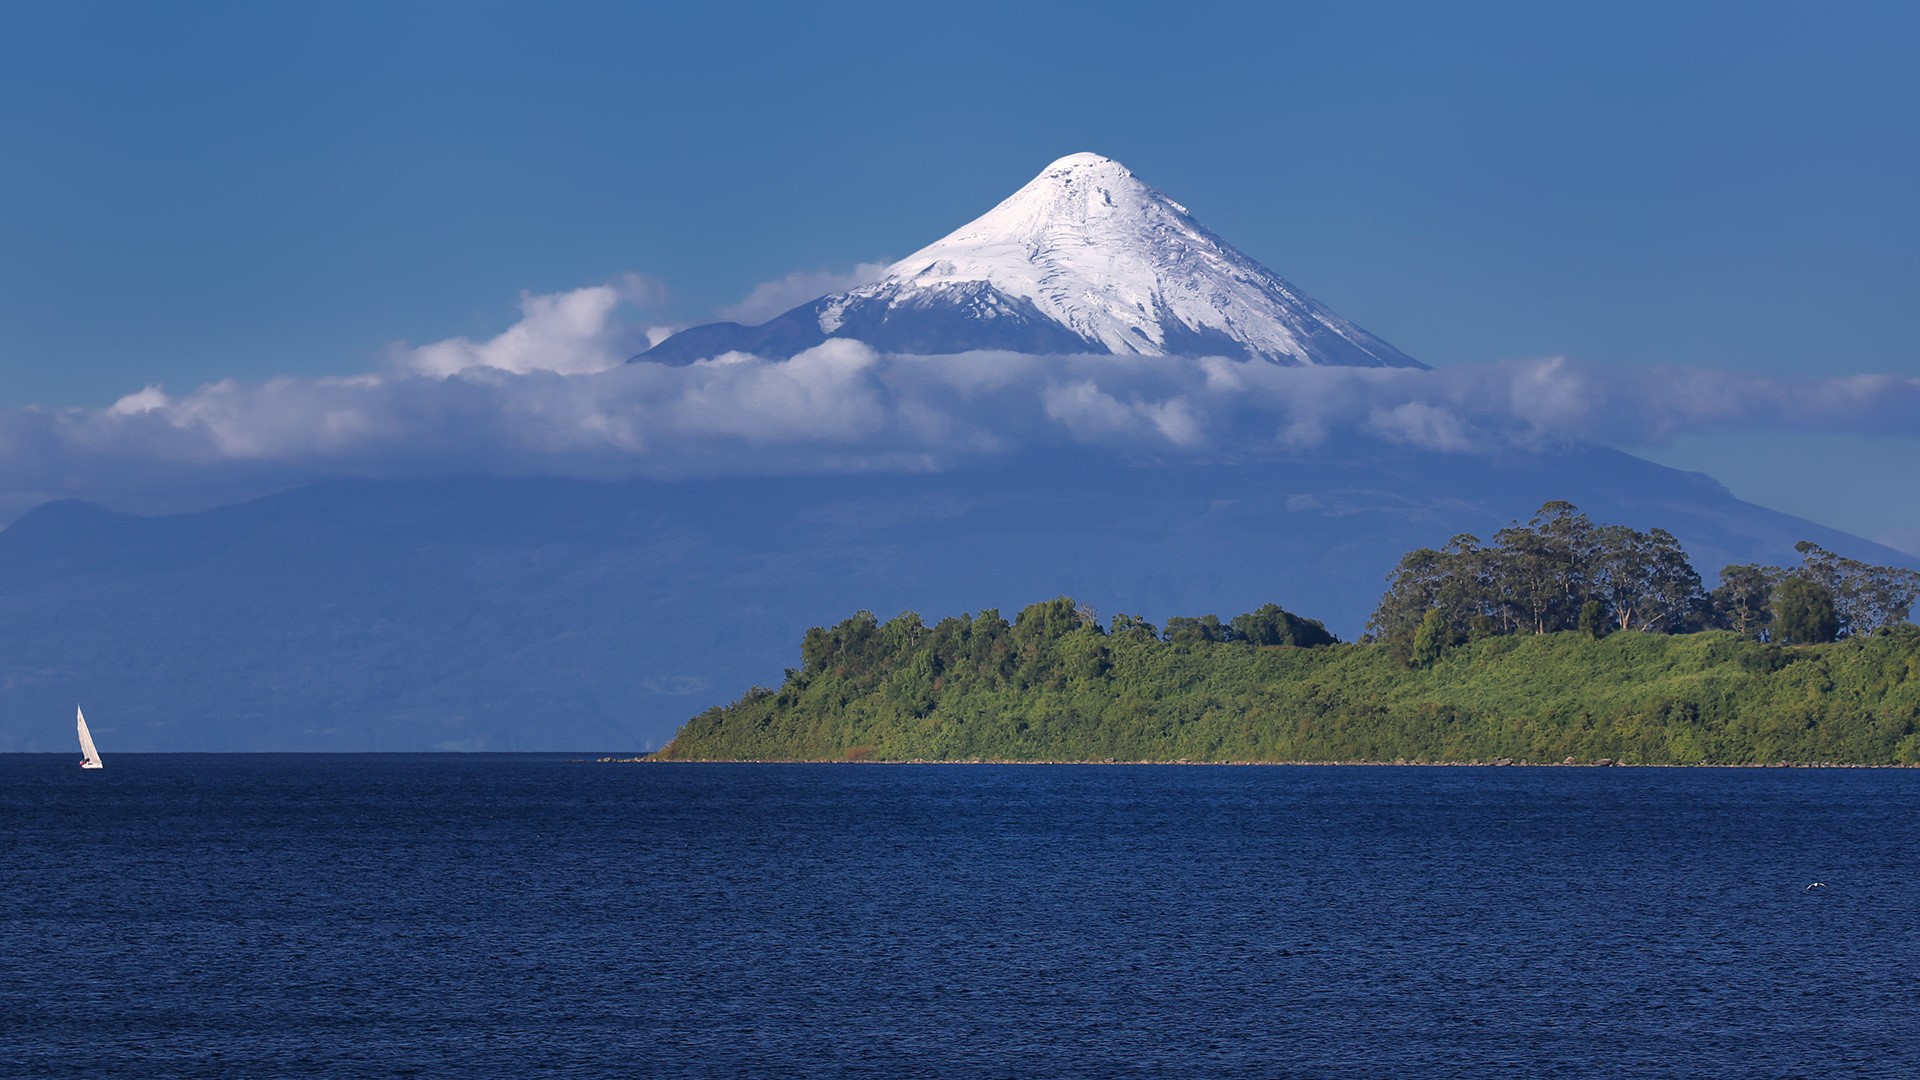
<point x="1502" y="763"/>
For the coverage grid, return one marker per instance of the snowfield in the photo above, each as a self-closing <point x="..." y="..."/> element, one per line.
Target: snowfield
<point x="1086" y="258"/>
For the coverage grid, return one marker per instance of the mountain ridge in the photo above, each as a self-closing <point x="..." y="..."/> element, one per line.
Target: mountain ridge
<point x="1083" y="259"/>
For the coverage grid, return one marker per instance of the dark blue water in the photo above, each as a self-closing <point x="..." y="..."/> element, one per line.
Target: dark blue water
<point x="523" y="915"/>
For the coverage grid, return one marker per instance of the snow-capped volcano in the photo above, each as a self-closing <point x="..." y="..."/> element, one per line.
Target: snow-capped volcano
<point x="1086" y="258"/>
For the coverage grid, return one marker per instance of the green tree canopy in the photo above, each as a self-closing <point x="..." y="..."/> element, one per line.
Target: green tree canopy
<point x="1866" y="598"/>
<point x="1803" y="612"/>
<point x="1742" y="602"/>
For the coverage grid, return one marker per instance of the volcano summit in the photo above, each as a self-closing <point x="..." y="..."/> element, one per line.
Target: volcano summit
<point x="1085" y="259"/>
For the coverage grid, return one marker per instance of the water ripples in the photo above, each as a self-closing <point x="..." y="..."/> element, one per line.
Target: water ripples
<point x="525" y="915"/>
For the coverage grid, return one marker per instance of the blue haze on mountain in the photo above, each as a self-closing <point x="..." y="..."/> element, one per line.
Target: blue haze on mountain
<point x="497" y="614"/>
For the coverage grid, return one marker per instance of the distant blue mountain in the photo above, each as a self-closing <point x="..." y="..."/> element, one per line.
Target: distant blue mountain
<point x="493" y="614"/>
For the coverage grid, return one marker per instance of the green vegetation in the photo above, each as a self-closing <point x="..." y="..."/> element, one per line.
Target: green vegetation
<point x="1562" y="572"/>
<point x="1052" y="688"/>
<point x="1563" y="641"/>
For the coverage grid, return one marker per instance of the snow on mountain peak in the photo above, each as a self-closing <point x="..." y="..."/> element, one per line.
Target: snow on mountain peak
<point x="1085" y="258"/>
<point x="1084" y="157"/>
<point x="1129" y="270"/>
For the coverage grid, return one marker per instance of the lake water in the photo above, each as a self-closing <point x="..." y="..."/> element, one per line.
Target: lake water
<point x="508" y="915"/>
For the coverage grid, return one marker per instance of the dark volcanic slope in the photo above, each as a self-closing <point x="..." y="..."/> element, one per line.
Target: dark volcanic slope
<point x="926" y="323"/>
<point x="523" y="614"/>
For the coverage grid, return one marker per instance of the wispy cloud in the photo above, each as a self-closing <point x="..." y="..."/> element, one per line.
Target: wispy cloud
<point x="550" y="395"/>
<point x="776" y="297"/>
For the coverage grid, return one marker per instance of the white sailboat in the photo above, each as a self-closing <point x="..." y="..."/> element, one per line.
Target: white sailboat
<point x="89" y="757"/>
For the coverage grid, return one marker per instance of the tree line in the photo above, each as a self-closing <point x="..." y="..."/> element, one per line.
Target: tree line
<point x="1053" y="685"/>
<point x="1562" y="572"/>
<point x="1029" y="650"/>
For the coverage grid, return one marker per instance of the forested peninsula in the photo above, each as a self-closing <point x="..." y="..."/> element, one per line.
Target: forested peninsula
<point x="1561" y="642"/>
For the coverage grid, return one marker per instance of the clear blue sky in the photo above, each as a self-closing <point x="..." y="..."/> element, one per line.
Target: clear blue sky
<point x="199" y="191"/>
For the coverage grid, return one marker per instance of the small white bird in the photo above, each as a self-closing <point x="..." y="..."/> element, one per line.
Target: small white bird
<point x="1816" y="885"/>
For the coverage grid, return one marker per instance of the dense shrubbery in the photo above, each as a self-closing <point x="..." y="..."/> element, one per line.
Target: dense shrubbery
<point x="1478" y="653"/>
<point x="1053" y="686"/>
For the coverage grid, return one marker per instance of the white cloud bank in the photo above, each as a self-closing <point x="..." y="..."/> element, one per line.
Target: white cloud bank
<point x="552" y="395"/>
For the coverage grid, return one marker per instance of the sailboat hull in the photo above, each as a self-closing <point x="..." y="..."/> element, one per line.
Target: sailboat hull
<point x="91" y="765"/>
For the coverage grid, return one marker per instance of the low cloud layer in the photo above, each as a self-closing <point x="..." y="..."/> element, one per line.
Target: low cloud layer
<point x="552" y="395"/>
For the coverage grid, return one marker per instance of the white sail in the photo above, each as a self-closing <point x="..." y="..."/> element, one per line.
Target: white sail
<point x="90" y="756"/>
